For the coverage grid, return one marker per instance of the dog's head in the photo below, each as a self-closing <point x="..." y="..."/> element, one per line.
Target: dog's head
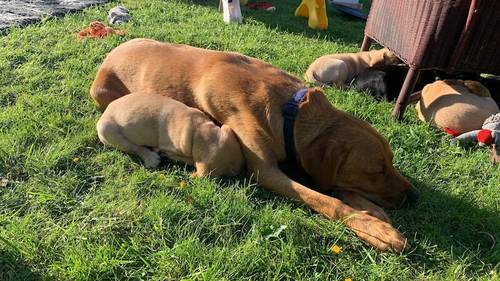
<point x="390" y="58"/>
<point x="384" y="57"/>
<point x="348" y="154"/>
<point x="218" y="151"/>
<point x="228" y="159"/>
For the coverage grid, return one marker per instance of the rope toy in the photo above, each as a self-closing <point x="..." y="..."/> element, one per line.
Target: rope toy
<point x="97" y="29"/>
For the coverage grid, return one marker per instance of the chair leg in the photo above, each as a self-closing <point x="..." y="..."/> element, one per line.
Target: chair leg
<point x="367" y="42"/>
<point x="408" y="86"/>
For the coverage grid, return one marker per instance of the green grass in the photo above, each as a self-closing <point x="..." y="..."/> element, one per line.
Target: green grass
<point x="71" y="209"/>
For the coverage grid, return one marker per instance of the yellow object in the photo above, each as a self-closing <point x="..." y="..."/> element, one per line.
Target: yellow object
<point x="182" y="184"/>
<point x="243" y="2"/>
<point x="315" y="10"/>
<point x="336" y="249"/>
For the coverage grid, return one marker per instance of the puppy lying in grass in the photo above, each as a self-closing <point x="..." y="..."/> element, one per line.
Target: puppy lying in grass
<point x="339" y="69"/>
<point x="459" y="105"/>
<point x="133" y="123"/>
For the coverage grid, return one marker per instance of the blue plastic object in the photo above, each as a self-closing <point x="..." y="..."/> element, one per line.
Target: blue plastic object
<point x="350" y="11"/>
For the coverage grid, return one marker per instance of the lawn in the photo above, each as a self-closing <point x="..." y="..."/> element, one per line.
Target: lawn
<point x="72" y="209"/>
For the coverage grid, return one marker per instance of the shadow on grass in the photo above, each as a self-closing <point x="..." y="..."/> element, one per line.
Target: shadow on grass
<point x="12" y="267"/>
<point x="441" y="228"/>
<point x="455" y="225"/>
<point x="342" y="28"/>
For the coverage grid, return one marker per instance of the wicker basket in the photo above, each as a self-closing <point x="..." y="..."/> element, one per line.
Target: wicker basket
<point x="450" y="35"/>
<point x="423" y="33"/>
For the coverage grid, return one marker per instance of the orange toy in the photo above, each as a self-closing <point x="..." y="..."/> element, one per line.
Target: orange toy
<point x="315" y="10"/>
<point x="97" y="29"/>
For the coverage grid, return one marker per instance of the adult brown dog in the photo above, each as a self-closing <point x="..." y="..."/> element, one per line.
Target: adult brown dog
<point x="339" y="151"/>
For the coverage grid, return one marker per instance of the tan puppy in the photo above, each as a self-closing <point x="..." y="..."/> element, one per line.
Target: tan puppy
<point x="339" y="151"/>
<point x="132" y="123"/>
<point x="461" y="106"/>
<point x="340" y="69"/>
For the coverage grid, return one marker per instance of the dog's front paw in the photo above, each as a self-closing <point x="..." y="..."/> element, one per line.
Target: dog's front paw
<point x="379" y="214"/>
<point x="377" y="233"/>
<point x="151" y="159"/>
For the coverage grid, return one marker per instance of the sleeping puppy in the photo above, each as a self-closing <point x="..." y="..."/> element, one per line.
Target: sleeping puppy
<point x="458" y="105"/>
<point x="133" y="123"/>
<point x="339" y="69"/>
<point x="385" y="82"/>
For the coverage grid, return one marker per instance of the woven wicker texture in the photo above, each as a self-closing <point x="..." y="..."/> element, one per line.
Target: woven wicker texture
<point x="438" y="34"/>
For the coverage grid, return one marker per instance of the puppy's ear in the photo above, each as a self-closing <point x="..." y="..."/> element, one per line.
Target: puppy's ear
<point x="323" y="159"/>
<point x="477" y="88"/>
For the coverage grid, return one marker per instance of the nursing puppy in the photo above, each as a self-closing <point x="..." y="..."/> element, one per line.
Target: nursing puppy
<point x="133" y="123"/>
<point x="458" y="105"/>
<point x="341" y="153"/>
<point x="339" y="69"/>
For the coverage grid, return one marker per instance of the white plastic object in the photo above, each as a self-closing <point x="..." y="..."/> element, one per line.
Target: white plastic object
<point x="232" y="11"/>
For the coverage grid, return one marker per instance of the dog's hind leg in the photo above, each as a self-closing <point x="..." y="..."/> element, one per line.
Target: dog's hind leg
<point x="109" y="133"/>
<point x="106" y="88"/>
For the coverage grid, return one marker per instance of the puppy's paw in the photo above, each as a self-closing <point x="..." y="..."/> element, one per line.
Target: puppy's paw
<point x="377" y="233"/>
<point x="151" y="159"/>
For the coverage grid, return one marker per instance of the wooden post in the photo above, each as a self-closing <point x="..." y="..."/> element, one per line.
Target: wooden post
<point x="367" y="42"/>
<point x="408" y="86"/>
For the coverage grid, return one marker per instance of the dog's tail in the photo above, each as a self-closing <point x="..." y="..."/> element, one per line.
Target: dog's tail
<point x="311" y="77"/>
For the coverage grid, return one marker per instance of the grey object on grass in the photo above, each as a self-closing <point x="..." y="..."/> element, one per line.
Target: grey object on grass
<point x="118" y="15"/>
<point x="23" y="12"/>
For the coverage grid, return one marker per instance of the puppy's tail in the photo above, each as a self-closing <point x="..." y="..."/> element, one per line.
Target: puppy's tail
<point x="311" y="77"/>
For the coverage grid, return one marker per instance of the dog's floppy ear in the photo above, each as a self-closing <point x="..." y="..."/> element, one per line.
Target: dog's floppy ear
<point x="323" y="159"/>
